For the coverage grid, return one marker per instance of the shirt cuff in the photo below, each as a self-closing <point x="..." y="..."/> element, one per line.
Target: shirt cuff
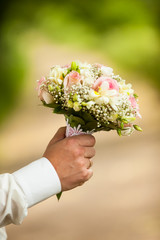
<point x="38" y="180"/>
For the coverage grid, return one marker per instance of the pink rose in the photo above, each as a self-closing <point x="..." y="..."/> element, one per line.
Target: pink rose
<point x="112" y="83"/>
<point x="45" y="96"/>
<point x="40" y="82"/>
<point x="134" y="105"/>
<point x="133" y="102"/>
<point x="71" y="79"/>
<point x="40" y="94"/>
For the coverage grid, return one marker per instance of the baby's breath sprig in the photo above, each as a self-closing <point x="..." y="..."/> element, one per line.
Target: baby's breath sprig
<point x="91" y="95"/>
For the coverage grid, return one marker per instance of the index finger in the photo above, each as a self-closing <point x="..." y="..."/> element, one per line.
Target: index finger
<point x="86" y="140"/>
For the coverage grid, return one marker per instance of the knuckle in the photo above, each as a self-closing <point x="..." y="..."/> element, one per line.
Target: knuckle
<point x="62" y="129"/>
<point x="85" y="175"/>
<point x="91" y="152"/>
<point x="90" y="174"/>
<point x="93" y="140"/>
<point x="81" y="151"/>
<point x="70" y="141"/>
<point x="81" y="163"/>
<point x="78" y="152"/>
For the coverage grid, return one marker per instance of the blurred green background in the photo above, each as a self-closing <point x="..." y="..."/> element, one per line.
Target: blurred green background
<point x="122" y="200"/>
<point x="127" y="32"/>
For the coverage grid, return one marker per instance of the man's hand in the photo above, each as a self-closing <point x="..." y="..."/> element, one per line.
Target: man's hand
<point x="71" y="158"/>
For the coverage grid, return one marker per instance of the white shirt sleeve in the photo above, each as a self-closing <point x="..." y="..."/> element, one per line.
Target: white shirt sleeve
<point x="24" y="188"/>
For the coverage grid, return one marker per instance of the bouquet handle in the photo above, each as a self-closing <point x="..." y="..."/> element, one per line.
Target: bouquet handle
<point x="70" y="132"/>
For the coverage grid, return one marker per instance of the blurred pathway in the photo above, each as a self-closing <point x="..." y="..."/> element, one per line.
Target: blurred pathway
<point x="121" y="201"/>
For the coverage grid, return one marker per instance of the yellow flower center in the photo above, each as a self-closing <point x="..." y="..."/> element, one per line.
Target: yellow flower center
<point x="96" y="93"/>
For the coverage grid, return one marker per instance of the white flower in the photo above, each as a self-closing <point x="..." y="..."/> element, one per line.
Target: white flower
<point x="50" y="78"/>
<point x="76" y="106"/>
<point x="102" y="100"/>
<point x="88" y="81"/>
<point x="59" y="81"/>
<point x="106" y="71"/>
<point x="70" y="104"/>
<point x="131" y="118"/>
<point x="48" y="98"/>
<point x="104" y="88"/>
<point x="118" y="100"/>
<point x="86" y="76"/>
<point x="85" y="72"/>
<point x="125" y="88"/>
<point x="93" y="94"/>
<point x="113" y="117"/>
<point x="89" y="104"/>
<point x="114" y="102"/>
<point x="56" y="72"/>
<point x="127" y="131"/>
<point x="79" y="99"/>
<point x="84" y="65"/>
<point x="111" y="93"/>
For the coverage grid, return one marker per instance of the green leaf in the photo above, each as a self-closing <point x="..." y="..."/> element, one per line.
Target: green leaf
<point x="74" y="66"/>
<point x="119" y="131"/>
<point x="130" y="119"/>
<point x="83" y="103"/>
<point x="51" y="105"/>
<point x="69" y="112"/>
<point x="78" y="70"/>
<point x="50" y="88"/>
<point x="138" y="128"/>
<point x="122" y="125"/>
<point x="69" y="70"/>
<point x="70" y="104"/>
<point x="63" y="75"/>
<point x="59" y="195"/>
<point x="135" y="95"/>
<point x="124" y="120"/>
<point x="104" y="129"/>
<point x="75" y="121"/>
<point x="110" y="125"/>
<point x="58" y="88"/>
<point x="75" y="97"/>
<point x="90" y="126"/>
<point x="87" y="117"/>
<point x="59" y="110"/>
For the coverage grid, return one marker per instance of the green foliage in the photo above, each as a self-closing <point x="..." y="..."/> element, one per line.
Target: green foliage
<point x="138" y="128"/>
<point x="73" y="66"/>
<point x="74" y="121"/>
<point x="135" y="95"/>
<point x="52" y="105"/>
<point x="90" y="122"/>
<point x="90" y="126"/>
<point x="59" y="110"/>
<point x="119" y="132"/>
<point x="12" y="70"/>
<point x="127" y="32"/>
<point x="87" y="122"/>
<point x="59" y="195"/>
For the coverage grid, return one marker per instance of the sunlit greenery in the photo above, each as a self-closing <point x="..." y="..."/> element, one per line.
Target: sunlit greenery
<point x="125" y="31"/>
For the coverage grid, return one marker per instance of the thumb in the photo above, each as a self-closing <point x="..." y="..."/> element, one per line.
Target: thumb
<point x="60" y="134"/>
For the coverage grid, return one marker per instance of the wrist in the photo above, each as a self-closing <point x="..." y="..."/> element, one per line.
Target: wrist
<point x="38" y="180"/>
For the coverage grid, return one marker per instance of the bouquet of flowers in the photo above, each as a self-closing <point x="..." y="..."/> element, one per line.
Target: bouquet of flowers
<point x="91" y="97"/>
